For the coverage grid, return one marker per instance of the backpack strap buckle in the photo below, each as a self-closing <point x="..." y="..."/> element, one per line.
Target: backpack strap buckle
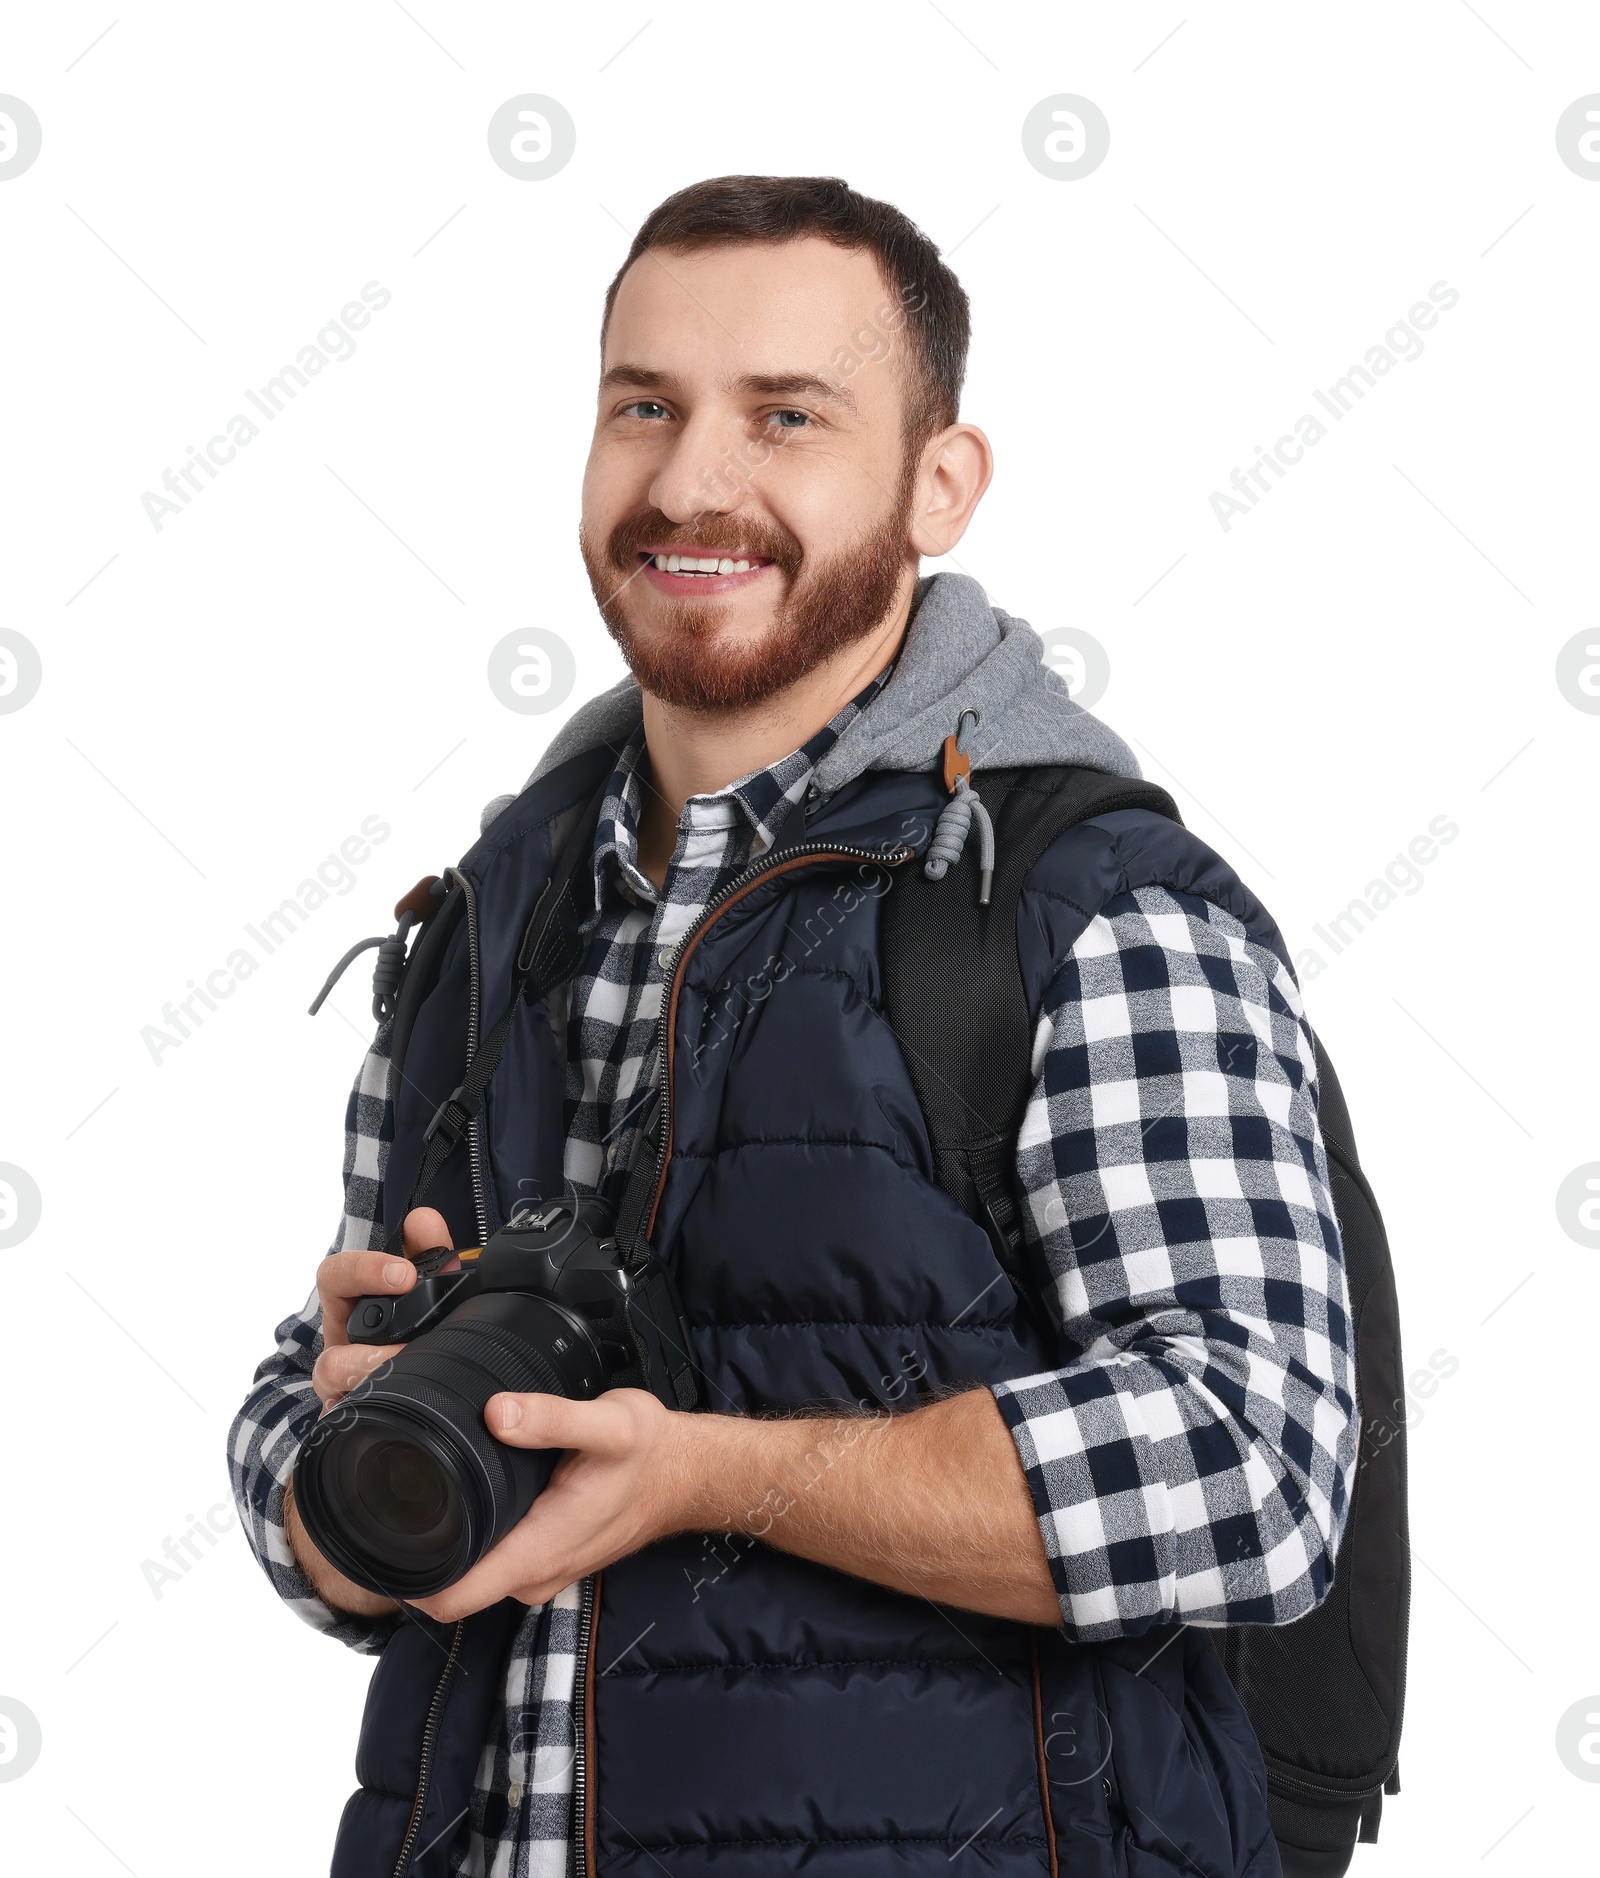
<point x="453" y="1117"/>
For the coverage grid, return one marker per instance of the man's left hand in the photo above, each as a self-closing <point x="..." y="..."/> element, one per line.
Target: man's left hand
<point x="932" y="1502"/>
<point x="618" y="1487"/>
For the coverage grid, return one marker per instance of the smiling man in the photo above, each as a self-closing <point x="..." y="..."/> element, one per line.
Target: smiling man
<point x="921" y="1582"/>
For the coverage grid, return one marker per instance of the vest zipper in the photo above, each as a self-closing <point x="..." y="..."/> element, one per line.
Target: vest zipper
<point x="480" y="1199"/>
<point x="806" y="854"/>
<point x="1044" y="1759"/>
<point x="578" y="1855"/>
<point x="430" y="1731"/>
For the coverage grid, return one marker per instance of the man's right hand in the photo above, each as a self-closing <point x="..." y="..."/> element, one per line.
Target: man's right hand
<point x="342" y="1278"/>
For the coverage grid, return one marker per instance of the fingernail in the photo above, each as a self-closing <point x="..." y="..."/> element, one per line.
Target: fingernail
<point x="394" y="1273"/>
<point x="510" y="1411"/>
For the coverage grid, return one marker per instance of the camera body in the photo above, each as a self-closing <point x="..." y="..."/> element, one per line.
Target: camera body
<point x="400" y="1486"/>
<point x="564" y="1253"/>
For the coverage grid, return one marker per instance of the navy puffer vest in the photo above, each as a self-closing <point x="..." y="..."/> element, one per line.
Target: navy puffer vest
<point x="739" y="1709"/>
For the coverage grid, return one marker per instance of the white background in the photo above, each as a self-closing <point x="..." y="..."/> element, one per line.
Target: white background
<point x="1372" y="646"/>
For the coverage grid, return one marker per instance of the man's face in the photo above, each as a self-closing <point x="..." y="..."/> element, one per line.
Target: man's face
<point x="750" y="417"/>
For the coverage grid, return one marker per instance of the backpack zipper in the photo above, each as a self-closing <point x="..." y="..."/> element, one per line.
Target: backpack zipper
<point x="480" y="1200"/>
<point x="430" y="1732"/>
<point x="1318" y="1790"/>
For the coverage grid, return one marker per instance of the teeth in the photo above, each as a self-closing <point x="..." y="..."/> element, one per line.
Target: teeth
<point x="697" y="564"/>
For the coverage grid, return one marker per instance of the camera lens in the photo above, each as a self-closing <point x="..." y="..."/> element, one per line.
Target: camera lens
<point x="401" y="1487"/>
<point x="399" y="1501"/>
<point x="406" y="1491"/>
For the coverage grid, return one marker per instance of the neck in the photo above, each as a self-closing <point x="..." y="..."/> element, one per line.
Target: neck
<point x="698" y="752"/>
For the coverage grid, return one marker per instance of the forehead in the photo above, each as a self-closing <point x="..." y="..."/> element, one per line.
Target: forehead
<point x="748" y="307"/>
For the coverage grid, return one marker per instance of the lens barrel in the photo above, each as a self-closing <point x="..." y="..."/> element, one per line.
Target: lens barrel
<point x="401" y="1487"/>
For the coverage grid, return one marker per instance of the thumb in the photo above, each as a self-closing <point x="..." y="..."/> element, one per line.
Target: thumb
<point x="424" y="1230"/>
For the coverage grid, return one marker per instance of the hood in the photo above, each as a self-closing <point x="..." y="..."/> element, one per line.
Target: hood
<point x="960" y="654"/>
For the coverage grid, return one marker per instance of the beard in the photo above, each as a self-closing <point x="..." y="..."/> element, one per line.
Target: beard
<point x="683" y="659"/>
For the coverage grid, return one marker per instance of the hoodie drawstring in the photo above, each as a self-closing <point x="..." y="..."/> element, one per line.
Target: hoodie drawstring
<point x="957" y="816"/>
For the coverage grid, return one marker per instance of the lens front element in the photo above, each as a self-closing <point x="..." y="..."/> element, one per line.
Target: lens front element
<point x="402" y="1503"/>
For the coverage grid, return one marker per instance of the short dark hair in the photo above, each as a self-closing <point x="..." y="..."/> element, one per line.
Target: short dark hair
<point x="938" y="319"/>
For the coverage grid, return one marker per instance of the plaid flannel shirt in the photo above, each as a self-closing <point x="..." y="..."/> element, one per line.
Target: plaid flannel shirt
<point x="1192" y="1458"/>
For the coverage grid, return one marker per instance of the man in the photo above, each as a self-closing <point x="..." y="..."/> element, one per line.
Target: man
<point x="914" y="1588"/>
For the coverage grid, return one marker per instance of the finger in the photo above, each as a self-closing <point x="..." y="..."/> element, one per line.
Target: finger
<point x="337" y="1371"/>
<point x="514" y="1568"/>
<point x="604" y="1427"/>
<point x="343" y="1277"/>
<point x="468" y="1597"/>
<point x="425" y="1228"/>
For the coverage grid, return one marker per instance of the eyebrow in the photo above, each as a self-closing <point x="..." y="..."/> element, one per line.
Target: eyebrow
<point x="796" y="385"/>
<point x="640" y="376"/>
<point x="764" y="384"/>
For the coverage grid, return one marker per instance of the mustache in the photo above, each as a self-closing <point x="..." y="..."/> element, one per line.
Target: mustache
<point x="716" y="534"/>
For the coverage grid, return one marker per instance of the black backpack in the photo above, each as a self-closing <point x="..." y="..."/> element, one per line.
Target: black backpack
<point x="1324" y="1694"/>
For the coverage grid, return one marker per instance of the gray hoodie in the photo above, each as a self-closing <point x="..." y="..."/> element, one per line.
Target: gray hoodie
<point x="960" y="654"/>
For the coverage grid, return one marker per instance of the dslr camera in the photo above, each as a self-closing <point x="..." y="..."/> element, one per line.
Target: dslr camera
<point x="401" y="1486"/>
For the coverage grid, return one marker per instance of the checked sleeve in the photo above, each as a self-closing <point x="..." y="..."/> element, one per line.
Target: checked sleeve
<point x="1192" y="1461"/>
<point x="282" y="1406"/>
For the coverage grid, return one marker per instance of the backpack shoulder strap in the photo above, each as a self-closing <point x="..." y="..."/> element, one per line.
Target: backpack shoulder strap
<point x="550" y="950"/>
<point x="954" y="996"/>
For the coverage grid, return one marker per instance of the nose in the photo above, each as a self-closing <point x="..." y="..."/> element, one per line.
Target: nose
<point x="705" y="474"/>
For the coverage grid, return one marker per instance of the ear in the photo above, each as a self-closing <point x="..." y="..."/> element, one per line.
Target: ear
<point x="955" y="469"/>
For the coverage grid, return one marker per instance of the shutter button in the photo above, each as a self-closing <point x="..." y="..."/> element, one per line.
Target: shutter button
<point x="371" y="1317"/>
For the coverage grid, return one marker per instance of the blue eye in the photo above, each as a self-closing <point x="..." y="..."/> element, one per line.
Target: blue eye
<point x="644" y="405"/>
<point x="799" y="416"/>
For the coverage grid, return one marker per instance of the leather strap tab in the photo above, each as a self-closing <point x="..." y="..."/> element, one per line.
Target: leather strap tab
<point x="955" y="764"/>
<point x="420" y="900"/>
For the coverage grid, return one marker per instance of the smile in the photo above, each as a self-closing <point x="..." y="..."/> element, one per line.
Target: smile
<point x="676" y="572"/>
